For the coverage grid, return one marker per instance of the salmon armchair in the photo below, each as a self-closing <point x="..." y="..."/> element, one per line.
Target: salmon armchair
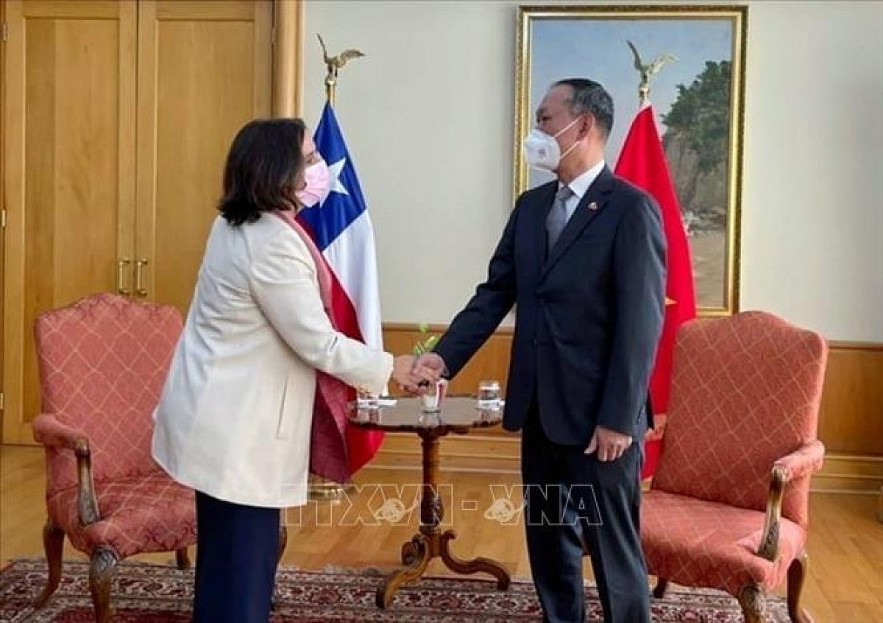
<point x="103" y="361"/>
<point x="728" y="506"/>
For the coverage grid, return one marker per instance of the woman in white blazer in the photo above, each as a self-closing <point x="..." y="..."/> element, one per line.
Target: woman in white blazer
<point x="235" y="414"/>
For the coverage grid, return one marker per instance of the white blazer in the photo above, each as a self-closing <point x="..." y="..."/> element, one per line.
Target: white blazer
<point x="235" y="414"/>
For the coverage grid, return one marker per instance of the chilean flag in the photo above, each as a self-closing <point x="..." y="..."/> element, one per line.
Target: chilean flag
<point x="642" y="162"/>
<point x="341" y="228"/>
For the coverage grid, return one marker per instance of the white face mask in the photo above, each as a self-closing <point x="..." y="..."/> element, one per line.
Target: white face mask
<point x="542" y="151"/>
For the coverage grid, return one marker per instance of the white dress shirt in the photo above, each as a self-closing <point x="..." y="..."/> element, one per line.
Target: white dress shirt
<point x="580" y="186"/>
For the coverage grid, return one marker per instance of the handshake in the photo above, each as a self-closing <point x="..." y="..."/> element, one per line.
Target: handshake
<point x="418" y="375"/>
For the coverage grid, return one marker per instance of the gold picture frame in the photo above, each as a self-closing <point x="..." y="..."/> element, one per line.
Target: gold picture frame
<point x="707" y="83"/>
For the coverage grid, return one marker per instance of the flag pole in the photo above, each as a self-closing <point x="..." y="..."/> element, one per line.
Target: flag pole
<point x="323" y="488"/>
<point x="646" y="71"/>
<point x="642" y="161"/>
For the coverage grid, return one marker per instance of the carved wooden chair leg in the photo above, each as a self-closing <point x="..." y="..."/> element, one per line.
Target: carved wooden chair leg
<point x="53" y="544"/>
<point x="660" y="588"/>
<point x="753" y="603"/>
<point x="104" y="563"/>
<point x="182" y="559"/>
<point x="796" y="574"/>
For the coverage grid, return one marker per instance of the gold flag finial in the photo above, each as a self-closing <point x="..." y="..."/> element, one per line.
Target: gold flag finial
<point x="334" y="64"/>
<point x="649" y="70"/>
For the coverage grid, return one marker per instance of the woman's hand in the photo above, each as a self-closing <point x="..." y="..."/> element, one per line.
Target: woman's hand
<point x="403" y="371"/>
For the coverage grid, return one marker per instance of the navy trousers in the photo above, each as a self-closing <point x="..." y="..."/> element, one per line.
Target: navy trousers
<point x="571" y="499"/>
<point x="237" y="549"/>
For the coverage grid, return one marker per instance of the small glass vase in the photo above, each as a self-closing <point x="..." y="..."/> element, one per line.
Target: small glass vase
<point x="434" y="398"/>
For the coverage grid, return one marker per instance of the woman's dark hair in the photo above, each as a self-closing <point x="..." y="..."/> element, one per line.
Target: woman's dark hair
<point x="262" y="168"/>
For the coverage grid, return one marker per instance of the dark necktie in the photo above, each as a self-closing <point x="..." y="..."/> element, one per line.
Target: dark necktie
<point x="557" y="218"/>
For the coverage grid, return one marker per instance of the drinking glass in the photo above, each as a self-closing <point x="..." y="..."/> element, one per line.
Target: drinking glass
<point x="489" y="395"/>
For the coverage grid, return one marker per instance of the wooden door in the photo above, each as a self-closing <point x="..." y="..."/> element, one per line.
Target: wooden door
<point x="204" y="69"/>
<point x="3" y="36"/>
<point x="69" y="147"/>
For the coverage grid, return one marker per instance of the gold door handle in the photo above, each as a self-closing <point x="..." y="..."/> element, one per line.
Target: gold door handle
<point x="121" y="276"/>
<point x="140" y="290"/>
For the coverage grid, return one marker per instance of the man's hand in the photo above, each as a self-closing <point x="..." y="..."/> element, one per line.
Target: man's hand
<point x="609" y="444"/>
<point x="427" y="370"/>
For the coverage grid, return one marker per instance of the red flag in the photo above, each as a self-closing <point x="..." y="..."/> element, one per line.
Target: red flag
<point x="642" y="162"/>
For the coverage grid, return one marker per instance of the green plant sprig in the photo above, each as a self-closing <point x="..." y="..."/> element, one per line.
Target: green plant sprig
<point x="426" y="341"/>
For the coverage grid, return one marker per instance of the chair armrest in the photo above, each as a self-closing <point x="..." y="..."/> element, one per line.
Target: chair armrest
<point x="805" y="460"/>
<point x="802" y="462"/>
<point x="49" y="431"/>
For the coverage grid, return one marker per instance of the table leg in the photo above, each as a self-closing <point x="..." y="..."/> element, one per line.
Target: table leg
<point x="411" y="550"/>
<point x="476" y="565"/>
<point x="431" y="542"/>
<point x="416" y="568"/>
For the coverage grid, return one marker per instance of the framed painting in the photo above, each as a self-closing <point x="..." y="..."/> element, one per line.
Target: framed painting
<point x="698" y="98"/>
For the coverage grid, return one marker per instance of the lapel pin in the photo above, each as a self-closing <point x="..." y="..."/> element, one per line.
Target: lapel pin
<point x="593" y="206"/>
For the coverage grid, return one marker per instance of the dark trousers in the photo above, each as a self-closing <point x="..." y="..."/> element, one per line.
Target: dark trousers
<point x="237" y="549"/>
<point x="573" y="499"/>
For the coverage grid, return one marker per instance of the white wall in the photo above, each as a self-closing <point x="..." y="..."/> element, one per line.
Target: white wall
<point x="428" y="117"/>
<point x="812" y="211"/>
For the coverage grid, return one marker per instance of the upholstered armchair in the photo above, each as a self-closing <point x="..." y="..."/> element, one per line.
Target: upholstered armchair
<point x="103" y="361"/>
<point x="728" y="506"/>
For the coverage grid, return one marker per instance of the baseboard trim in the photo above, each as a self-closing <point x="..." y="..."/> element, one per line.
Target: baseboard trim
<point x="850" y="473"/>
<point x="501" y="454"/>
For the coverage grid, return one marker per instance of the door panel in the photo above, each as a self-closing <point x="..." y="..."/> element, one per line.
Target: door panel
<point x="81" y="194"/>
<point x="69" y="151"/>
<point x="2" y="207"/>
<point x="190" y="107"/>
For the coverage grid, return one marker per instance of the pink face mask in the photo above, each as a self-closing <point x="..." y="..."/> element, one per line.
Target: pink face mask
<point x="318" y="181"/>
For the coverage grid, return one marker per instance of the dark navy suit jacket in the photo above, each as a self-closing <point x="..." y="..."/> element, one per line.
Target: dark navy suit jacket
<point x="589" y="311"/>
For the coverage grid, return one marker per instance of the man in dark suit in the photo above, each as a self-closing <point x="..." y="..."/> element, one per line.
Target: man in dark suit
<point x="582" y="257"/>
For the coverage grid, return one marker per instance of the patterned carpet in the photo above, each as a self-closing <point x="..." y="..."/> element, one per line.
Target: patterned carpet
<point x="144" y="593"/>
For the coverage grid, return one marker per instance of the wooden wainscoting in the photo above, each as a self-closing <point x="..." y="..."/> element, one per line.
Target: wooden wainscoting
<point x="850" y="421"/>
<point x="491" y="362"/>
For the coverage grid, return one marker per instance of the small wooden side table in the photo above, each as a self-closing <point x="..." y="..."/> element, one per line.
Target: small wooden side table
<point x="458" y="415"/>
